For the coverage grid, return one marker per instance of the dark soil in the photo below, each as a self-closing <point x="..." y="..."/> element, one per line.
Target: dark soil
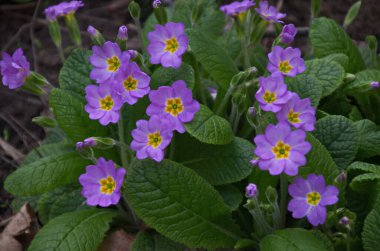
<point x="17" y="108"/>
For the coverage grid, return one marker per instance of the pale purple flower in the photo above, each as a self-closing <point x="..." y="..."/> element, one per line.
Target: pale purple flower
<point x="273" y="93"/>
<point x="150" y="138"/>
<point x="175" y="103"/>
<point x="345" y="221"/>
<point x="89" y="142"/>
<point x="281" y="150"/>
<point x="251" y="190"/>
<point x="375" y="85"/>
<point x="310" y="198"/>
<point x="298" y="112"/>
<point x="123" y="33"/>
<point x="107" y="61"/>
<point x="92" y="31"/>
<point x="236" y="8"/>
<point x="79" y="146"/>
<point x="62" y="9"/>
<point x="254" y="162"/>
<point x="167" y="44"/>
<point x="103" y="104"/>
<point x="288" y="33"/>
<point x="133" y="53"/>
<point x="14" y="69"/>
<point x="101" y="183"/>
<point x="156" y="4"/>
<point x="269" y="13"/>
<point x="286" y="61"/>
<point x="131" y="83"/>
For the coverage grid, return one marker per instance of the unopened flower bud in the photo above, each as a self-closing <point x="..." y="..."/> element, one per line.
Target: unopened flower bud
<point x="342" y="177"/>
<point x="254" y="162"/>
<point x="344" y="221"/>
<point x="252" y="111"/>
<point x="133" y="53"/>
<point x="92" y="31"/>
<point x="123" y="33"/>
<point x="96" y="37"/>
<point x="134" y="10"/>
<point x="375" y="85"/>
<point x="79" y="146"/>
<point x="73" y="28"/>
<point x="288" y="33"/>
<point x="156" y="4"/>
<point x="251" y="190"/>
<point x="160" y="12"/>
<point x="271" y="195"/>
<point x="89" y="142"/>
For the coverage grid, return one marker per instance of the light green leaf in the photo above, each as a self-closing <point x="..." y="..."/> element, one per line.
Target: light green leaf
<point x="217" y="164"/>
<point x="82" y="230"/>
<point x="166" y="196"/>
<point x="352" y="13"/>
<point x="154" y="242"/>
<point x="72" y="118"/>
<point x="339" y="58"/>
<point x="371" y="230"/>
<point x="210" y="128"/>
<point x="166" y="76"/>
<point x="328" y="73"/>
<point x="365" y="175"/>
<point x="319" y="161"/>
<point x="362" y="81"/>
<point x="47" y="150"/>
<point x="231" y="195"/>
<point x="327" y="37"/>
<point x="306" y="86"/>
<point x="46" y="174"/>
<point x="75" y="73"/>
<point x="292" y="239"/>
<point x="59" y="201"/>
<point x="369" y="135"/>
<point x="213" y="58"/>
<point x="339" y="135"/>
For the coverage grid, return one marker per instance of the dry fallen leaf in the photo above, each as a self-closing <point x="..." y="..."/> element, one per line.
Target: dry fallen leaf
<point x="118" y="240"/>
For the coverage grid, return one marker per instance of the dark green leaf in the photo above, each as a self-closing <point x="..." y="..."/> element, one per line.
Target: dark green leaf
<point x="362" y="81"/>
<point x="166" y="76"/>
<point x="306" y="86"/>
<point x="154" y="242"/>
<point x="371" y="230"/>
<point x="369" y="135"/>
<point x="231" y="196"/>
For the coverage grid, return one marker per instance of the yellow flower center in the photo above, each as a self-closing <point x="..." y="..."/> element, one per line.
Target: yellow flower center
<point x="171" y="45"/>
<point x="313" y="198"/>
<point x="113" y="63"/>
<point x="130" y="83"/>
<point x="285" y="66"/>
<point x="293" y="116"/>
<point x="174" y="106"/>
<point x="107" y="185"/>
<point x="281" y="150"/>
<point x="154" y="139"/>
<point x="269" y="97"/>
<point x="106" y="103"/>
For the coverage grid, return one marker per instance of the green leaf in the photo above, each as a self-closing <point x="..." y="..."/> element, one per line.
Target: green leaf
<point x="214" y="59"/>
<point x="72" y="118"/>
<point x="46" y="174"/>
<point x="306" y="86"/>
<point x="166" y="76"/>
<point x="210" y="128"/>
<point x="59" y="201"/>
<point x="319" y="161"/>
<point x="327" y="37"/>
<point x="82" y="230"/>
<point x="154" y="242"/>
<point x="292" y="239"/>
<point x="362" y="81"/>
<point x="352" y="13"/>
<point x="166" y="196"/>
<point x="371" y="230"/>
<point x="339" y="58"/>
<point x="75" y="73"/>
<point x="217" y="164"/>
<point x="231" y="195"/>
<point x="369" y="143"/>
<point x="328" y="73"/>
<point x="47" y="150"/>
<point x="339" y="135"/>
<point x="365" y="176"/>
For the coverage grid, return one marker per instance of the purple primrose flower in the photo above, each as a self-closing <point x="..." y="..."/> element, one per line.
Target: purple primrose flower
<point x="167" y="44"/>
<point x="310" y="198"/>
<point x="131" y="83"/>
<point x="175" y="103"/>
<point x="286" y="61"/>
<point x="14" y="69"/>
<point x="101" y="183"/>
<point x="107" y="60"/>
<point x="281" y="150"/>
<point x="298" y="112"/>
<point x="150" y="138"/>
<point x="273" y="93"/>
<point x="103" y="104"/>
<point x="288" y="33"/>
<point x="236" y="8"/>
<point x="269" y="13"/>
<point x="62" y="9"/>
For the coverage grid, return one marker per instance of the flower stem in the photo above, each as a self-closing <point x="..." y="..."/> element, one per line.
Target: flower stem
<point x="123" y="153"/>
<point x="225" y="100"/>
<point x="283" y="198"/>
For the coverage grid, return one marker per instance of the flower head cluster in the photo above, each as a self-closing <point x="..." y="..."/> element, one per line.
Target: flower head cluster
<point x="236" y="8"/>
<point x="14" y="69"/>
<point x="62" y="9"/>
<point x="101" y="183"/>
<point x="167" y="44"/>
<point x="310" y="198"/>
<point x="269" y="13"/>
<point x="287" y="61"/>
